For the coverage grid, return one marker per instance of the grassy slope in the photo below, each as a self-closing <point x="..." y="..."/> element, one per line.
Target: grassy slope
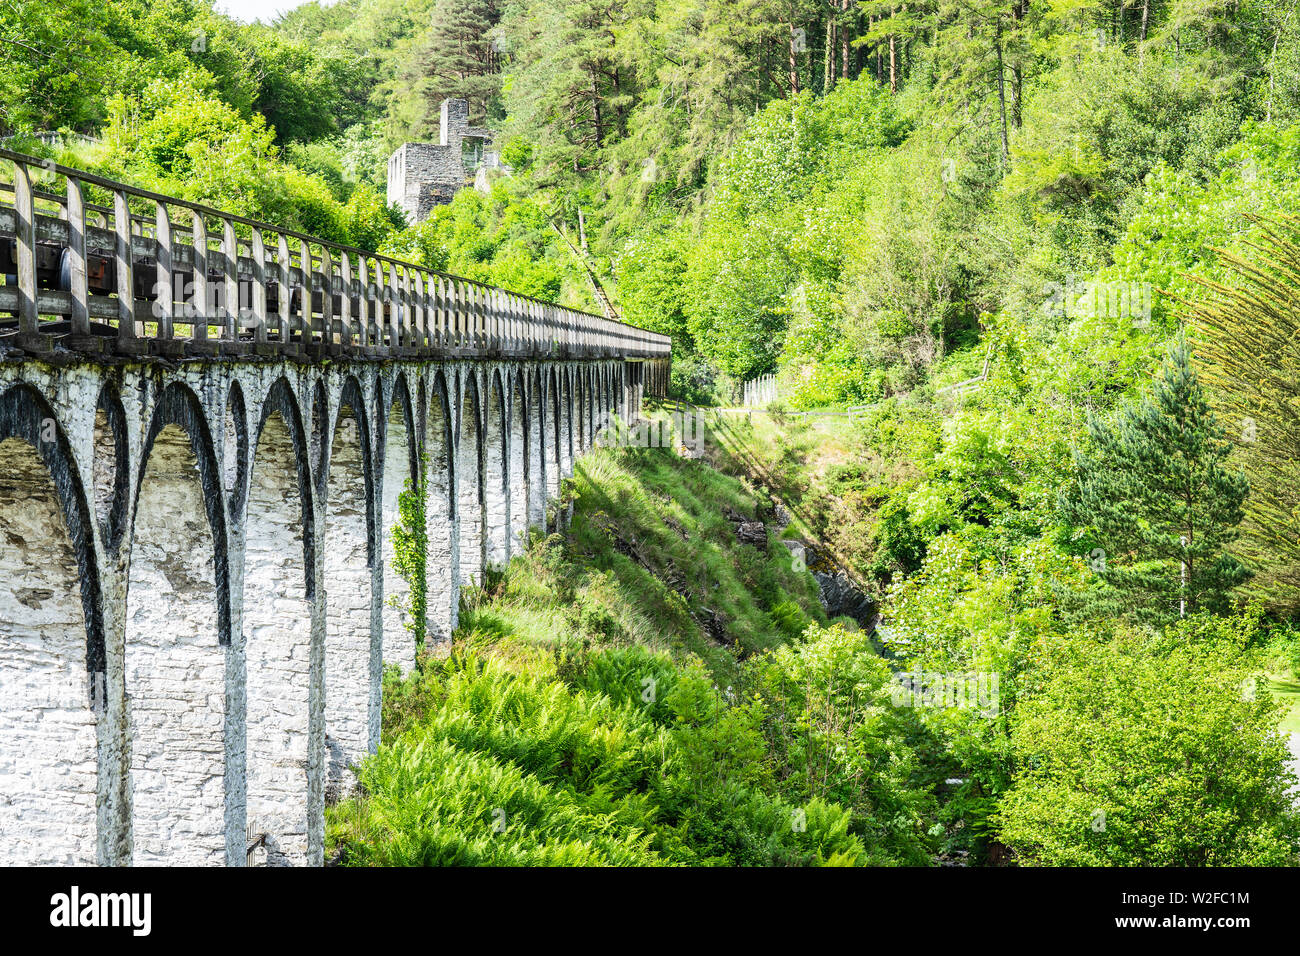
<point x="823" y="473"/>
<point x="585" y="714"/>
<point x="650" y="546"/>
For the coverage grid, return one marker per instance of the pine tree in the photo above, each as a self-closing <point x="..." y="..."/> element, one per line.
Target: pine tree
<point x="457" y="58"/>
<point x="1153" y="494"/>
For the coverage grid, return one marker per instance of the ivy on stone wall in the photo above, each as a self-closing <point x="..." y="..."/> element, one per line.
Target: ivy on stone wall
<point x="410" y="552"/>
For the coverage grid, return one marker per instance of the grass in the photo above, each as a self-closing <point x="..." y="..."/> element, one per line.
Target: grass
<point x="589" y="711"/>
<point x="652" y="559"/>
<point x="824" y="474"/>
<point x="1286" y="691"/>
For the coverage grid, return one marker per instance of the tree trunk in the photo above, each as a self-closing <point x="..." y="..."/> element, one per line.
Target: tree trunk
<point x="1002" y="91"/>
<point x="595" y="108"/>
<point x="828" y="55"/>
<point x="871" y="22"/>
<point x="845" y="37"/>
<point x="1018" y="73"/>
<point x="794" y="63"/>
<point x="893" y="61"/>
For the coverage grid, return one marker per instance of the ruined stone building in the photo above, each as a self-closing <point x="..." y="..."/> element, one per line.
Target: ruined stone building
<point x="424" y="175"/>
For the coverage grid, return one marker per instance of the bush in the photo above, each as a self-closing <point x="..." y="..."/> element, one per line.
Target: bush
<point x="1134" y="754"/>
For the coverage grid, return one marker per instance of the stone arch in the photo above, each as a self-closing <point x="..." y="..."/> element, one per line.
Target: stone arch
<point x="554" y="434"/>
<point x="400" y="461"/>
<point x="536" y="513"/>
<point x="234" y="450"/>
<point x="607" y="398"/>
<point x="112" y="466"/>
<point x="177" y="623"/>
<point x="579" y="414"/>
<point x="320" y="423"/>
<point x="352" y="620"/>
<point x="567" y="417"/>
<point x="496" y="473"/>
<point x="179" y="406"/>
<point x="52" y="660"/>
<point x="521" y="477"/>
<point x="279" y="590"/>
<point x="469" y="483"/>
<point x="592" y="405"/>
<point x="588" y="405"/>
<point x="441" y="571"/>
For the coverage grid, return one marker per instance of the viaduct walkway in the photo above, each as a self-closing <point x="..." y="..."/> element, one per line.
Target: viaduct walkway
<point x="207" y="424"/>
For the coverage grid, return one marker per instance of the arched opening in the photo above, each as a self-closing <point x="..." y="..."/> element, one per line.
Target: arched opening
<point x="579" y="419"/>
<point x="520" y="476"/>
<point x="320" y="420"/>
<point x="400" y="475"/>
<point x="588" y="407"/>
<point x="440" y="526"/>
<point x="606" y="406"/>
<point x="277" y="637"/>
<point x="48" y="689"/>
<point x="495" y="478"/>
<point x="351" y="633"/>
<point x="537" y="477"/>
<point x="234" y="454"/>
<point x="555" y="435"/>
<point x="109" y="470"/>
<point x="570" y="448"/>
<point x="469" y="487"/>
<point x="175" y="664"/>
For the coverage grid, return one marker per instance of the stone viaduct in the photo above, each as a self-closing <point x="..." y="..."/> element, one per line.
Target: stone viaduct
<point x="206" y="426"/>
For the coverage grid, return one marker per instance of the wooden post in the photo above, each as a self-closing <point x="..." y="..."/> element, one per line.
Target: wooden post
<point x="123" y="268"/>
<point x="164" y="306"/>
<point x="363" y="304"/>
<point x="284" y="273"/>
<point x="230" y="279"/>
<point x="381" y="316"/>
<point x="25" y="209"/>
<point x="198" y="300"/>
<point x="326" y="295"/>
<point x="258" y="249"/>
<point x="78" y="287"/>
<point x="419" y="314"/>
<point x="308" y="287"/>
<point x="345" y="296"/>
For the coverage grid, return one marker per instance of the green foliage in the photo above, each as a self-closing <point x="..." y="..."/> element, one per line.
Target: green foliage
<point x="1158" y="503"/>
<point x="410" y="553"/>
<point x="1135" y="755"/>
<point x="1250" y="328"/>
<point x="553" y="735"/>
<point x="830" y="721"/>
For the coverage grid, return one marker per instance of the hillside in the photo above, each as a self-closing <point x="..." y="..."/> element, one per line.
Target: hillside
<point x="645" y="689"/>
<point x="1040" y="258"/>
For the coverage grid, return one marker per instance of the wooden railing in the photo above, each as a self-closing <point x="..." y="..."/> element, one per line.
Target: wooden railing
<point x="104" y="267"/>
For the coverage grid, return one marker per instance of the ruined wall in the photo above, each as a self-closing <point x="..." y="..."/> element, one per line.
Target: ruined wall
<point x="422" y="176"/>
